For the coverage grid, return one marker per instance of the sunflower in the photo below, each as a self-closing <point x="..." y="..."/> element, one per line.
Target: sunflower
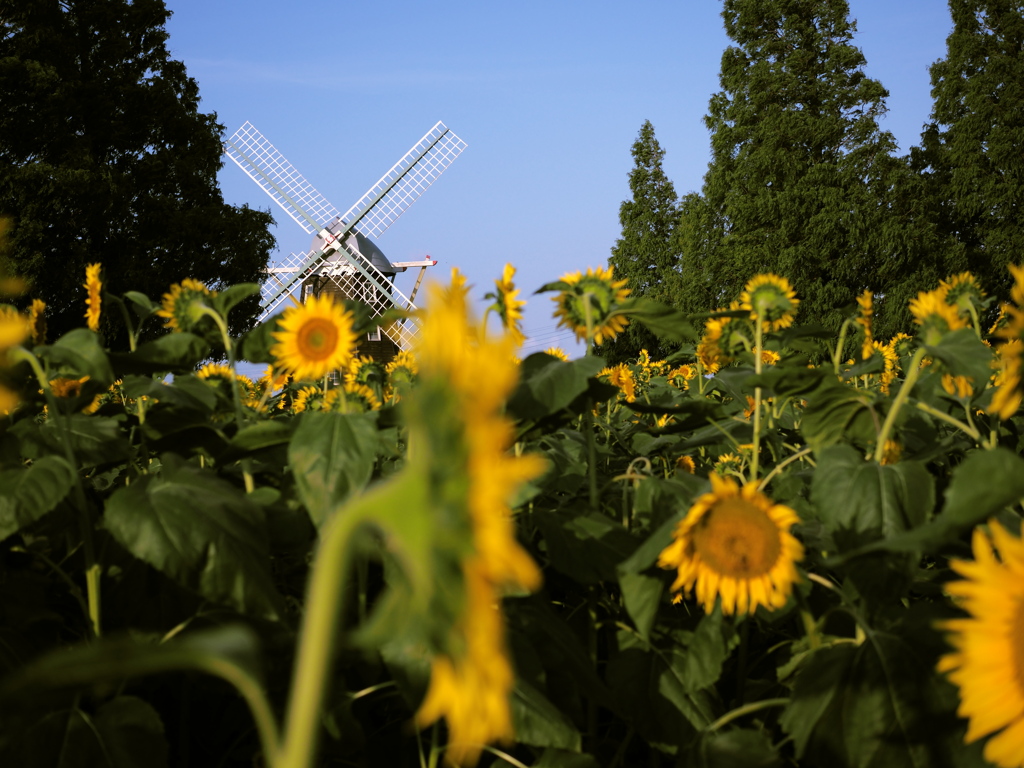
<point x="215" y="371"/>
<point x="94" y="286"/>
<point x="735" y="543"/>
<point x="65" y="388"/>
<point x="964" y="292"/>
<point x="1010" y="354"/>
<point x="471" y="681"/>
<point x="902" y="344"/>
<point x="401" y="375"/>
<point x="37" y="321"/>
<point x="507" y="306"/>
<point x="891" y="452"/>
<point x="890" y="363"/>
<point x="308" y="399"/>
<point x="1008" y="381"/>
<point x="935" y="315"/>
<point x="987" y="663"/>
<point x="621" y="376"/>
<point x="770" y="357"/>
<point x="557" y="352"/>
<point x="315" y="338"/>
<point x="182" y="306"/>
<point x="728" y="463"/>
<point x="709" y="350"/>
<point x="362" y="396"/>
<point x="272" y="382"/>
<point x="8" y="400"/>
<point x="592" y="301"/>
<point x="958" y="386"/>
<point x="864" y="315"/>
<point x="686" y="464"/>
<point x="14" y="328"/>
<point x="771" y="298"/>
<point x="680" y="377"/>
<point x="368" y="372"/>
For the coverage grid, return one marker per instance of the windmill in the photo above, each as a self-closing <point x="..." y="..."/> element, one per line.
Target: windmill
<point x="343" y="258"/>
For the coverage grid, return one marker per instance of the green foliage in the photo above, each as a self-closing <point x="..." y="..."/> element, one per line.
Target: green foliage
<point x="644" y="255"/>
<point x="171" y="521"/>
<point x="802" y="180"/>
<point x="107" y="158"/>
<point x="969" y="159"/>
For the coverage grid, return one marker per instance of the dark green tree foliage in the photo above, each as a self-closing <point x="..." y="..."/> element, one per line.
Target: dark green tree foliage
<point x="105" y="157"/>
<point x="802" y="182"/>
<point x="971" y="156"/>
<point x="645" y="255"/>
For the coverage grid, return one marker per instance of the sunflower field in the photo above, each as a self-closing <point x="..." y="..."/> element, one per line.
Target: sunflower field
<point x="778" y="547"/>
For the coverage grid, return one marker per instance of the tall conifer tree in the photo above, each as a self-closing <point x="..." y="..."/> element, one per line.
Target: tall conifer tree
<point x="644" y="255"/>
<point x="802" y="178"/>
<point x="971" y="154"/>
<point x="105" y="157"/>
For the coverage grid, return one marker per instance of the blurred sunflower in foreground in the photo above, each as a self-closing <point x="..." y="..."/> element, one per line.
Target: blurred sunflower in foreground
<point x="456" y="421"/>
<point x="735" y="543"/>
<point x="94" y="288"/>
<point x="988" y="659"/>
<point x="1010" y="354"/>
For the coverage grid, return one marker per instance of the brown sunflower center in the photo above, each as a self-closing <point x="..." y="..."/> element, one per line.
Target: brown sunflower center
<point x="1017" y="642"/>
<point x="737" y="539"/>
<point x="317" y="339"/>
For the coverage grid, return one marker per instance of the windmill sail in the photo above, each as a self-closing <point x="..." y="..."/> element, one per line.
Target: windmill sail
<point x="336" y="254"/>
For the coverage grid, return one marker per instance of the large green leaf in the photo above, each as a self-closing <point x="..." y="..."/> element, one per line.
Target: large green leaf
<point x="95" y="440"/>
<point x="230" y="652"/>
<point x="642" y="592"/>
<point x="79" y="353"/>
<point x="230" y="297"/>
<point x="985" y="483"/>
<point x="587" y="546"/>
<point x="963" y="354"/>
<point x="332" y="457"/>
<point x="124" y="732"/>
<point x="200" y="531"/>
<point x="662" y="320"/>
<point x="836" y="413"/>
<point x="174" y="353"/>
<point x="549" y="385"/>
<point x="538" y="722"/>
<point x="649" y="685"/>
<point x="255" y="346"/>
<point x="874" y="705"/>
<point x="28" y="494"/>
<point x="859" y="500"/>
<point x="735" y="748"/>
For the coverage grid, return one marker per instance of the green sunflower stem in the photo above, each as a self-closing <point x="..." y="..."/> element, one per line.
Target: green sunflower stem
<point x="837" y="355"/>
<point x="901" y="397"/>
<point x="746" y="709"/>
<point x="317" y="640"/>
<point x="229" y="349"/>
<point x="974" y="433"/>
<point x="758" y="339"/>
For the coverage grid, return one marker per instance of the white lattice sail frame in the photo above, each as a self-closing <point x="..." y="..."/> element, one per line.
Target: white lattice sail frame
<point x="340" y="261"/>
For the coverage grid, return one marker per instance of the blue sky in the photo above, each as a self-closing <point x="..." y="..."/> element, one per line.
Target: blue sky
<point x="548" y="95"/>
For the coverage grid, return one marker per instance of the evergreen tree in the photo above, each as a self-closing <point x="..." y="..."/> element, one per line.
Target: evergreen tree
<point x="105" y="157"/>
<point x="970" y="152"/>
<point x="644" y="256"/>
<point x="802" y="182"/>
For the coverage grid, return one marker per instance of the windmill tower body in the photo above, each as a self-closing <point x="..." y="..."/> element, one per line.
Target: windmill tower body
<point x="343" y="260"/>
